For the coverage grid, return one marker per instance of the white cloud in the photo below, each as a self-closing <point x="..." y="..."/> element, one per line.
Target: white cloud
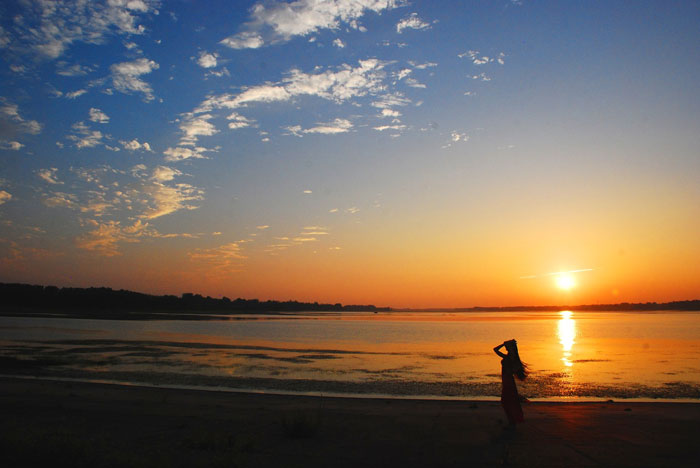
<point x="12" y="122"/>
<point x="218" y="73"/>
<point x="413" y="83"/>
<point x="84" y="137"/>
<point x="96" y="115"/>
<point x="422" y="66"/>
<point x="164" y="174"/>
<point x="381" y="128"/>
<point x="49" y="175"/>
<point x="134" y="145"/>
<point x="391" y="100"/>
<point x="244" y="40"/>
<point x="4" y="197"/>
<point x="338" y="43"/>
<point x="390" y="113"/>
<point x="338" y="85"/>
<point x="166" y="199"/>
<point x="63" y="69"/>
<point x="179" y="153"/>
<point x="403" y="73"/>
<point x="307" y="192"/>
<point x="207" y="60"/>
<point x="480" y="77"/>
<point x="11" y="145"/>
<point x="49" y="28"/>
<point x="411" y="22"/>
<point x="478" y="59"/>
<point x="61" y="200"/>
<point x="331" y="128"/>
<point x="278" y="21"/>
<point x="263" y="227"/>
<point x="75" y="94"/>
<point x="125" y="77"/>
<point x="193" y="127"/>
<point x="456" y="136"/>
<point x="239" y="121"/>
<point x="352" y="210"/>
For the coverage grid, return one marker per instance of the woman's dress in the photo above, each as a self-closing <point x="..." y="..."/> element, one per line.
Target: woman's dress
<point x="509" y="394"/>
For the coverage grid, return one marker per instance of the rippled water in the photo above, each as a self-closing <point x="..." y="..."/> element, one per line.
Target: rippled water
<point x="570" y="354"/>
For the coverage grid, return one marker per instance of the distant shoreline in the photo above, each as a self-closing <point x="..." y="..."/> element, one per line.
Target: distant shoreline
<point x="105" y="303"/>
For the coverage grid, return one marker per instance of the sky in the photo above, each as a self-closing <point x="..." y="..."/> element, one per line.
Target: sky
<point x="397" y="153"/>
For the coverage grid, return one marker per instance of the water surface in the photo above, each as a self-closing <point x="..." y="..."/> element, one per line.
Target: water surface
<point x="570" y="354"/>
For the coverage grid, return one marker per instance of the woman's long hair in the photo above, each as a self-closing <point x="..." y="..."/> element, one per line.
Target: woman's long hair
<point x="519" y="367"/>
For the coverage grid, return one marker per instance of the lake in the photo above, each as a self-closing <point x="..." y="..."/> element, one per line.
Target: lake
<point x="571" y="355"/>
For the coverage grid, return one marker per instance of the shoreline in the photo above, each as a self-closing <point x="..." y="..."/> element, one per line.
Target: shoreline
<point x="96" y="424"/>
<point x="331" y="394"/>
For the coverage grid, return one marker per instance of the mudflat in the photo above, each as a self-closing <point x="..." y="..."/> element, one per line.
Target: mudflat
<point x="55" y="423"/>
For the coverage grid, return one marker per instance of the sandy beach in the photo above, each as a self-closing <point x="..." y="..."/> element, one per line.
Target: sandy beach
<point x="85" y="424"/>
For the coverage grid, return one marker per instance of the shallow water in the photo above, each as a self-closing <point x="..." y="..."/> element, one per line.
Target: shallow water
<point x="570" y="354"/>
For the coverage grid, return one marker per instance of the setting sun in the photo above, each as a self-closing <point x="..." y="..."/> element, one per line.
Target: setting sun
<point x="565" y="281"/>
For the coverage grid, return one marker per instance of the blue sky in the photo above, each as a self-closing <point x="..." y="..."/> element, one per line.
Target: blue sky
<point x="224" y="141"/>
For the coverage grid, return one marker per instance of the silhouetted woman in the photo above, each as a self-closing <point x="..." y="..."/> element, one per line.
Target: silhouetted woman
<point x="511" y="366"/>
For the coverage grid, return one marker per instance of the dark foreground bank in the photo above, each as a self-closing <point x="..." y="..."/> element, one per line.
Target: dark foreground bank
<point x="46" y="423"/>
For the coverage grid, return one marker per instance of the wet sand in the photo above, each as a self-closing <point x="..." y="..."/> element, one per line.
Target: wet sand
<point x="82" y="424"/>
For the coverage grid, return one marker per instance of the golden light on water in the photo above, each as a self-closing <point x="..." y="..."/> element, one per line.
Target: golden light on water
<point x="566" y="331"/>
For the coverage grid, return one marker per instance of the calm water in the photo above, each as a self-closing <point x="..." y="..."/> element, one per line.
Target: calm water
<point x="570" y="354"/>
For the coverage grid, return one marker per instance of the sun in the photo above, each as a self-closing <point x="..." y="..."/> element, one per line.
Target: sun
<point x="565" y="281"/>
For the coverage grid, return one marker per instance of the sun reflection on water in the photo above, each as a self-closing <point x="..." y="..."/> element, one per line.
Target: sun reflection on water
<point x="567" y="335"/>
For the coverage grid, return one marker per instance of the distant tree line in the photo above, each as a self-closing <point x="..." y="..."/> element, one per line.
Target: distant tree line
<point x="106" y="299"/>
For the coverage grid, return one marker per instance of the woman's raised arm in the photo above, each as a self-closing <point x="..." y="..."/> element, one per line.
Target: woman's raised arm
<point x="496" y="350"/>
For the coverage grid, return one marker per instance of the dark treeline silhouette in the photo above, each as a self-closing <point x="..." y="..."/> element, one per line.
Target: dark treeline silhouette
<point x="26" y="299"/>
<point x="85" y="301"/>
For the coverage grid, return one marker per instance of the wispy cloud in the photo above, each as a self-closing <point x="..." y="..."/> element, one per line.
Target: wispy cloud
<point x="329" y="128"/>
<point x="11" y="145"/>
<point x="179" y="153"/>
<point x="84" y="137"/>
<point x="194" y="126"/>
<point x="61" y="200"/>
<point x="96" y="115"/>
<point x="105" y="237"/>
<point x="337" y="85"/>
<point x="12" y="122"/>
<point x="480" y="77"/>
<point x="49" y="28"/>
<point x="382" y="128"/>
<point x="75" y="94"/>
<point x="164" y="174"/>
<point x="411" y="22"/>
<point x="478" y="59"/>
<point x="49" y="175"/>
<point x="224" y="259"/>
<point x="126" y="77"/>
<point x="4" y="197"/>
<point x="236" y="120"/>
<point x="274" y="22"/>
<point x="64" y="69"/>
